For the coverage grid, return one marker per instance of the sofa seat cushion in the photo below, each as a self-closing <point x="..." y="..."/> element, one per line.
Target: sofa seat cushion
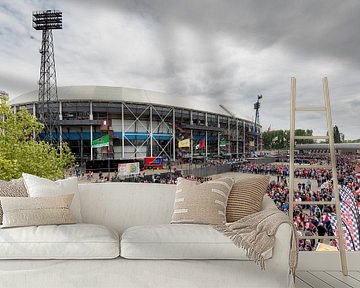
<point x="180" y="241"/>
<point x="73" y="241"/>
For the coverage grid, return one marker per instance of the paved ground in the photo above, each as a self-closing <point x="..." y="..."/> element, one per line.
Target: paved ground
<point x="84" y="179"/>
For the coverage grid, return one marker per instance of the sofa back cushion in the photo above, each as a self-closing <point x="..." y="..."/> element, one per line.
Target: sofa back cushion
<point x="202" y="203"/>
<point x="13" y="188"/>
<point x="41" y="187"/>
<point x="120" y="205"/>
<point x="26" y="211"/>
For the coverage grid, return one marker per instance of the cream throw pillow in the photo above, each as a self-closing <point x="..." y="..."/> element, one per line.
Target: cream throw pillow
<point x="203" y="203"/>
<point x="26" y="211"/>
<point x="13" y="188"/>
<point x="42" y="187"/>
<point x="246" y="196"/>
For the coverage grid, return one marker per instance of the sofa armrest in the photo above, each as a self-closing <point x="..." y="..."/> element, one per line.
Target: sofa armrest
<point x="267" y="203"/>
<point x="279" y="263"/>
<point x="281" y="250"/>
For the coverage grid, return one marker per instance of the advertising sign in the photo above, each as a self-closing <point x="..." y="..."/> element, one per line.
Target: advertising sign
<point x="101" y="142"/>
<point x="153" y="162"/>
<point x="126" y="169"/>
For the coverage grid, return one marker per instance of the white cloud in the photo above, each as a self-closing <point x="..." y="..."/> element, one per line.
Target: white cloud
<point x="226" y="52"/>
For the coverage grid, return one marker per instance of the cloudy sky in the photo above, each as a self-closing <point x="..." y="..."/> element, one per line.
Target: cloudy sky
<point x="222" y="51"/>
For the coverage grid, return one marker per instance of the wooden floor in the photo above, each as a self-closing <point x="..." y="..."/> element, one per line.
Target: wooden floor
<point x="327" y="279"/>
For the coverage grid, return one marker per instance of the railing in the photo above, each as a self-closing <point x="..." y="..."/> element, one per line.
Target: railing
<point x="206" y="171"/>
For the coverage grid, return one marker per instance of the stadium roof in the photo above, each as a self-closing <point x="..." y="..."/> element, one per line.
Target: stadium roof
<point x="340" y="146"/>
<point x="121" y="94"/>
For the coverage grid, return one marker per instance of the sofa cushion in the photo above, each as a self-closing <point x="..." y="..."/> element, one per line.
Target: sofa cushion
<point x="181" y="241"/>
<point x="246" y="196"/>
<point x="203" y="203"/>
<point x="29" y="211"/>
<point x="73" y="241"/>
<point x="13" y="188"/>
<point x="41" y="187"/>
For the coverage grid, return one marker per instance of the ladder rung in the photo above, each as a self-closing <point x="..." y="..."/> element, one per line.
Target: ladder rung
<point x="314" y="203"/>
<point x="310" y="109"/>
<point x="318" y="237"/>
<point x="310" y="137"/>
<point x="300" y="166"/>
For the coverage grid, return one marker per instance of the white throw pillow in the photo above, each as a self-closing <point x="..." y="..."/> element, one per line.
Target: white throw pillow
<point x="42" y="187"/>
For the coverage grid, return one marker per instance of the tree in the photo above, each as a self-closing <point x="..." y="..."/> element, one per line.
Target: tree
<point x="280" y="139"/>
<point x="337" y="136"/>
<point x="19" y="152"/>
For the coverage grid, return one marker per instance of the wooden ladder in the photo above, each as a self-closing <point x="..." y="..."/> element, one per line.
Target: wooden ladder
<point x="330" y="137"/>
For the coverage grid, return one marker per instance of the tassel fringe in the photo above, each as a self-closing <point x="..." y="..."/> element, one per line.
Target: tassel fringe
<point x="256" y="233"/>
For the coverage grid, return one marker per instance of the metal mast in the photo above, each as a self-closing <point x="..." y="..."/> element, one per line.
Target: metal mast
<point x="257" y="121"/>
<point x="48" y="99"/>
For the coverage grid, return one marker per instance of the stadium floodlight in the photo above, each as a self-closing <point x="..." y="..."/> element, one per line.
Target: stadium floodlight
<point x="257" y="121"/>
<point x="46" y="20"/>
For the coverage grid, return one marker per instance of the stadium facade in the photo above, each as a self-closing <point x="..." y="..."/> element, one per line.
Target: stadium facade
<point x="144" y="123"/>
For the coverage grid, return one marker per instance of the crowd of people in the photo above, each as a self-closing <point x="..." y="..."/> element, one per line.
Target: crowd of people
<point x="309" y="220"/>
<point x="313" y="185"/>
<point x="160" y="178"/>
<point x="346" y="170"/>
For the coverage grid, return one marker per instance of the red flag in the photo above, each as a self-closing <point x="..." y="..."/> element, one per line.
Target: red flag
<point x="202" y="144"/>
<point x="269" y="128"/>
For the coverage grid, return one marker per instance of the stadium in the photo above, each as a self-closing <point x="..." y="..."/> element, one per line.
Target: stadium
<point x="142" y="123"/>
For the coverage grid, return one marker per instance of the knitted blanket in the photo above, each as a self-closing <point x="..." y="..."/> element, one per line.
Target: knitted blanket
<point x="256" y="234"/>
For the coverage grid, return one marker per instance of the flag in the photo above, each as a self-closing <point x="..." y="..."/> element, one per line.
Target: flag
<point x="201" y="144"/>
<point x="223" y="143"/>
<point x="350" y="220"/>
<point x="184" y="143"/>
<point x="101" y="142"/>
<point x="269" y="128"/>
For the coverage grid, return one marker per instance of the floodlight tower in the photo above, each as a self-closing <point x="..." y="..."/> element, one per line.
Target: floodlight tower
<point x="48" y="113"/>
<point x="256" y="107"/>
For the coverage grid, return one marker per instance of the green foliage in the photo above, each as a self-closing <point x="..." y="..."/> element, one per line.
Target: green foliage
<point x="352" y="141"/>
<point x="19" y="152"/>
<point x="280" y="139"/>
<point x="337" y="136"/>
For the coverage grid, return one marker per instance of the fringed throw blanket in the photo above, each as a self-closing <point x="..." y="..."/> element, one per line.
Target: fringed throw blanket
<point x="256" y="234"/>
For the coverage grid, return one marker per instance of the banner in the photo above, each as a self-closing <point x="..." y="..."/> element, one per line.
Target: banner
<point x="350" y="220"/>
<point x="126" y="169"/>
<point x="223" y="143"/>
<point x="100" y="142"/>
<point x="184" y="143"/>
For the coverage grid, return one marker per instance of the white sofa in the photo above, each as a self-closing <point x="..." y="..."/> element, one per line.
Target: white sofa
<point x="119" y="206"/>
